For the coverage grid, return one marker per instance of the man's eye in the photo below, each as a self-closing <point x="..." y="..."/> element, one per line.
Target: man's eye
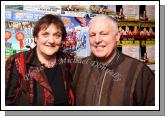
<point x="104" y="34"/>
<point x="91" y="35"/>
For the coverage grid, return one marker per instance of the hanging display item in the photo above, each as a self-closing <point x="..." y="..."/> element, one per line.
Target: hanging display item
<point x="20" y="37"/>
<point x="8" y="35"/>
<point x="136" y="23"/>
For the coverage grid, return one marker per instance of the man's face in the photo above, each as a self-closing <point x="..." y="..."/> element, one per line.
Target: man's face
<point x="49" y="40"/>
<point x="102" y="37"/>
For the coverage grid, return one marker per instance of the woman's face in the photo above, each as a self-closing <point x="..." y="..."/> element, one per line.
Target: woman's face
<point x="49" y="40"/>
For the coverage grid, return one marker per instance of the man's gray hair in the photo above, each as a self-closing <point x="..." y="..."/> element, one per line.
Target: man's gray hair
<point x="115" y="25"/>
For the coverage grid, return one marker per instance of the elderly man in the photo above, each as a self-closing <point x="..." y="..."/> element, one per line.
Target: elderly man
<point x="108" y="77"/>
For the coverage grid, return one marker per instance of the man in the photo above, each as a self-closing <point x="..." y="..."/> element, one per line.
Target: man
<point x="35" y="77"/>
<point x="108" y="77"/>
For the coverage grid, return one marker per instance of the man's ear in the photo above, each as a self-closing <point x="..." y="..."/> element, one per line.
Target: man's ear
<point x="117" y="36"/>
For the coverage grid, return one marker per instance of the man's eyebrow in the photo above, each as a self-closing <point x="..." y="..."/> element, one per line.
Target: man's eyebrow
<point x="92" y="32"/>
<point x="103" y="31"/>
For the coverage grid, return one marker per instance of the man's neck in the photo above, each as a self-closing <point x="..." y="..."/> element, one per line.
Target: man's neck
<point x="108" y="60"/>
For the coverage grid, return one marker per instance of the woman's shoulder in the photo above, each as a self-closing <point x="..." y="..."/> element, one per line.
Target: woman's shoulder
<point x="17" y="56"/>
<point x="12" y="58"/>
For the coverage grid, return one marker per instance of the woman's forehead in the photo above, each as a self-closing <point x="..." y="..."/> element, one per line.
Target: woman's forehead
<point x="46" y="26"/>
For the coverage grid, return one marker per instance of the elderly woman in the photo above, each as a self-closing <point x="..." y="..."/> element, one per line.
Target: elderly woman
<point x="36" y="77"/>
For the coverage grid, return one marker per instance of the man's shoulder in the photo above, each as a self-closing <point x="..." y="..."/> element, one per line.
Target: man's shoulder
<point x="83" y="62"/>
<point x="135" y="61"/>
<point x="128" y="58"/>
<point x="84" y="59"/>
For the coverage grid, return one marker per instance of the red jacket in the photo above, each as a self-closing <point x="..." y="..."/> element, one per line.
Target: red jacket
<point x="20" y="91"/>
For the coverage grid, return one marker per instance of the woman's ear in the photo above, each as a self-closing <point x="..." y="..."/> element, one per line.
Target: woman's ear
<point x="35" y="39"/>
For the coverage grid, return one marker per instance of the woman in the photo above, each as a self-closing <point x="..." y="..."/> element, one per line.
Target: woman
<point x="36" y="77"/>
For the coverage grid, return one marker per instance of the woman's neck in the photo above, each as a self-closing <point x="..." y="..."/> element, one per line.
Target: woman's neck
<point x="47" y="61"/>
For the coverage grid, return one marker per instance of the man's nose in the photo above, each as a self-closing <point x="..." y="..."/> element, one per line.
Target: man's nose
<point x="97" y="38"/>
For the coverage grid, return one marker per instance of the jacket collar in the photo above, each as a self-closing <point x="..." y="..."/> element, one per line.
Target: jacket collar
<point x="115" y="61"/>
<point x="36" y="70"/>
<point x="32" y="58"/>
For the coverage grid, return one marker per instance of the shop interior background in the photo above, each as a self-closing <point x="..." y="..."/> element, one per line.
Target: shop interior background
<point x="136" y="24"/>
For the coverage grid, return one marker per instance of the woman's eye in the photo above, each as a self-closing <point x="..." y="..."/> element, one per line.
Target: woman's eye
<point x="45" y="35"/>
<point x="57" y="35"/>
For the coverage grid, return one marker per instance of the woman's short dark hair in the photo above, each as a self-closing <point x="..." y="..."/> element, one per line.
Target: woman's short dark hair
<point x="46" y="21"/>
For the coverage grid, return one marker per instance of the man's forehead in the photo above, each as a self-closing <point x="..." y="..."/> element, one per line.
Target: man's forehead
<point x="100" y="19"/>
<point x="100" y="23"/>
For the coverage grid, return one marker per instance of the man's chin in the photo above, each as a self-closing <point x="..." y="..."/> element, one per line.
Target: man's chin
<point x="99" y="55"/>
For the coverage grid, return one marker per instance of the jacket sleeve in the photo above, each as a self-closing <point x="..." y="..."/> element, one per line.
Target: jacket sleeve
<point x="75" y="77"/>
<point x="78" y="69"/>
<point x="11" y="81"/>
<point x="144" y="94"/>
